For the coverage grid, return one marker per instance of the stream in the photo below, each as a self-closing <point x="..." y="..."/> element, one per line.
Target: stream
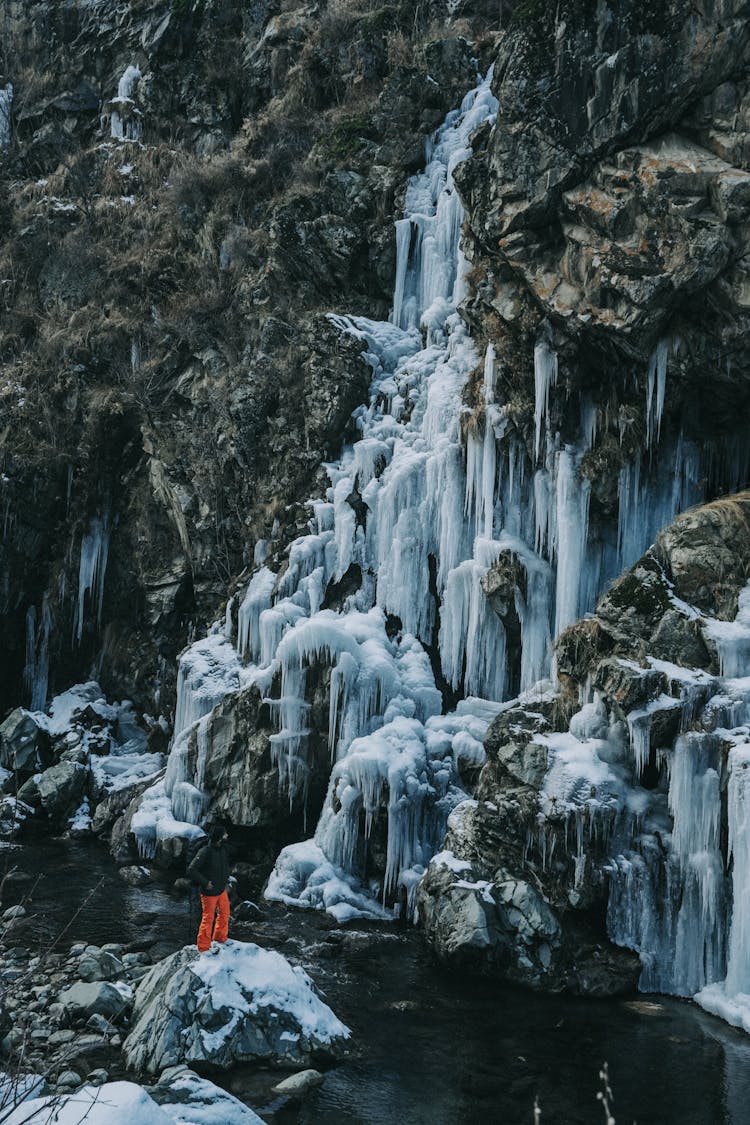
<point x="428" y="1047"/>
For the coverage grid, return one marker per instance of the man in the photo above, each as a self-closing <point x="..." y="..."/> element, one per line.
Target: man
<point x="210" y="870"/>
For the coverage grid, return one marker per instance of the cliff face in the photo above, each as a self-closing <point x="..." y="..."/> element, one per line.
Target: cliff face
<point x="533" y="423"/>
<point x="187" y="190"/>
<point x="611" y="201"/>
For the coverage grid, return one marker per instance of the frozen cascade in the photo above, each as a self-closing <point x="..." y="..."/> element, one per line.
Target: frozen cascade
<point x="36" y="670"/>
<point x="125" y="117"/>
<point x="6" y="101"/>
<point x="732" y="639"/>
<point x="91" y="572"/>
<point x="424" y="518"/>
<point x="649" y="503"/>
<point x="730" y="998"/>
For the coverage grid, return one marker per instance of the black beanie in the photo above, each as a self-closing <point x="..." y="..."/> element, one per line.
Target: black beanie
<point x="216" y="834"/>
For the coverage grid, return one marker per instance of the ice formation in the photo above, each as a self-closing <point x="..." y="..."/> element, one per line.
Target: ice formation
<point x="91" y="573"/>
<point x="471" y="554"/>
<point x="125" y="117"/>
<point x="670" y="896"/>
<point x="36" y="669"/>
<point x="6" y="101"/>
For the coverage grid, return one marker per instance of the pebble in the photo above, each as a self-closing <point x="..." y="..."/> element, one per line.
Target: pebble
<point x="14" y="912"/>
<point x="69" y="1079"/>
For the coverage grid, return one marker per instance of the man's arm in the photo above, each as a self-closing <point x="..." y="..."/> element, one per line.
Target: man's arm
<point x="196" y="870"/>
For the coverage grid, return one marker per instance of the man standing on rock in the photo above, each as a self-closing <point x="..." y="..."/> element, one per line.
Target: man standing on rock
<point x="210" y="870"/>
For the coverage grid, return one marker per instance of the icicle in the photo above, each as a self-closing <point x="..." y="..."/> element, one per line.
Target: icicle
<point x="572" y="533"/>
<point x="545" y="376"/>
<point x="655" y="391"/>
<point x="91" y="572"/>
<point x="738" y="966"/>
<point x="257" y="599"/>
<point x="36" y="671"/>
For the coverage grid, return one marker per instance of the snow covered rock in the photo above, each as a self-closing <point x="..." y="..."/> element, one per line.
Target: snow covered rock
<point x="181" y="1098"/>
<point x="242" y="1003"/>
<point x="186" y="1098"/>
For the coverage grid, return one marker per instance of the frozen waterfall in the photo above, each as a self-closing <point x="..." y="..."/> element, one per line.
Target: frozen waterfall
<point x="125" y="117"/>
<point x="470" y="553"/>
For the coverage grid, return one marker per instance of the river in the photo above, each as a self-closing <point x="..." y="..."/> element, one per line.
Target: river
<point x="428" y="1047"/>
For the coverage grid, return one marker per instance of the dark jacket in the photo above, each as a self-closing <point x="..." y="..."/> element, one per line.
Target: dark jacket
<point x="211" y="865"/>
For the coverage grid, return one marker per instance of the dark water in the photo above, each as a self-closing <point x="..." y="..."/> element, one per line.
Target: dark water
<point x="428" y="1048"/>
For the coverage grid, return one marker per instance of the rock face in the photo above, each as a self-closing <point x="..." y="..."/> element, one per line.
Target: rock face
<point x="191" y="188"/>
<point x="609" y="204"/>
<point x="531" y="868"/>
<point x="240" y="1004"/>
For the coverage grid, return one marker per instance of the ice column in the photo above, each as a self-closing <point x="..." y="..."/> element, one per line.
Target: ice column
<point x="36" y="671"/>
<point x="572" y="518"/>
<point x="91" y="571"/>
<point x="738" y="966"/>
<point x="545" y="376"/>
<point x="655" y="391"/>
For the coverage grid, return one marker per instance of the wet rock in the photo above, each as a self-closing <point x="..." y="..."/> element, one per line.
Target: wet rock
<point x="23" y="743"/>
<point x="297" y="1085"/>
<point x="135" y="876"/>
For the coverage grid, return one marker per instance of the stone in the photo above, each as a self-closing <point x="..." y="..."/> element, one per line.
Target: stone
<point x="101" y="997"/>
<point x="135" y="876"/>
<point x="59" y="1038"/>
<point x="14" y="912"/>
<point x="61" y="787"/>
<point x="69" y="1079"/>
<point x="23" y="743"/>
<point x="297" y="1085"/>
<point x="247" y="998"/>
<point x="99" y="1023"/>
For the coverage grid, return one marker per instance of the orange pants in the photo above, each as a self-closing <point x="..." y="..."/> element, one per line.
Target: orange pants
<point x="215" y="920"/>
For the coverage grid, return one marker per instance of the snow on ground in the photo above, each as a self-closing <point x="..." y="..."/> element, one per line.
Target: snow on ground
<point x="192" y="1101"/>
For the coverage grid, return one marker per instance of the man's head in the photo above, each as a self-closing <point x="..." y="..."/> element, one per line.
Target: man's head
<point x="218" y="834"/>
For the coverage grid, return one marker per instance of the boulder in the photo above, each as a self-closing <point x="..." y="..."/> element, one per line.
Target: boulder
<point x="296" y="1085"/>
<point x="85" y="999"/>
<point x="243" y="1003"/>
<point x="185" y="1096"/>
<point x="23" y="742"/>
<point x="61" y="787"/>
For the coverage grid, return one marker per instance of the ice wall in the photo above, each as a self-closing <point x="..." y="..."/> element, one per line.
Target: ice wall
<point x="473" y="551"/>
<point x="678" y="888"/>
